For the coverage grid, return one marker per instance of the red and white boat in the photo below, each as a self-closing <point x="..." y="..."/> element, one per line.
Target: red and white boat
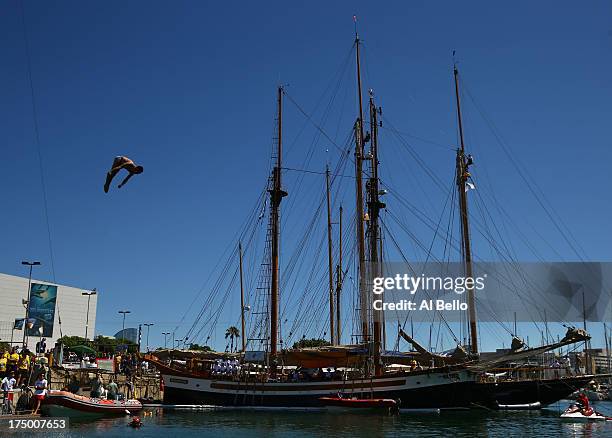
<point x="384" y="404"/>
<point x="67" y="404"/>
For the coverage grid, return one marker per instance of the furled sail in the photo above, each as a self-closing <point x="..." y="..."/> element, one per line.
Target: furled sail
<point x="458" y="356"/>
<point x="573" y="336"/>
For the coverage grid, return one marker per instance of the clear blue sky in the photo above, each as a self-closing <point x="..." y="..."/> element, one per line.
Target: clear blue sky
<point x="187" y="90"/>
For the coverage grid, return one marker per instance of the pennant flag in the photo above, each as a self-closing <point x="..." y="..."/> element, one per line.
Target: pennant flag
<point x="469" y="186"/>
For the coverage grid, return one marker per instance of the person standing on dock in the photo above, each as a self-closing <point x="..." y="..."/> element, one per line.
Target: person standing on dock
<point x="40" y="391"/>
<point x="130" y="389"/>
<point x="3" y="364"/>
<point x="41" y="346"/>
<point x="24" y="367"/>
<point x="12" y="361"/>
<point x="7" y="385"/>
<point x="578" y="366"/>
<point x="40" y="366"/>
<point x="556" y="366"/>
<point x="117" y="367"/>
<point x="567" y="363"/>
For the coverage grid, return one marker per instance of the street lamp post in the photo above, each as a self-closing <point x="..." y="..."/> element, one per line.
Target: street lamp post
<point x="165" y="339"/>
<point x="178" y="342"/>
<point x="124" y="312"/>
<point x="41" y="330"/>
<point x="148" y="325"/>
<point x="27" y="304"/>
<point x="88" y="294"/>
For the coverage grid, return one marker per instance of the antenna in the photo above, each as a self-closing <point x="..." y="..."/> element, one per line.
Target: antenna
<point x="355" y="21"/>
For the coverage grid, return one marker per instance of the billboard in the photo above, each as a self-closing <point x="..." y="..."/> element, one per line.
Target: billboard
<point x="41" y="309"/>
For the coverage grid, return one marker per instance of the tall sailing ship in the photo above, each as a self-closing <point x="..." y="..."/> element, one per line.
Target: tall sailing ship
<point x="275" y="376"/>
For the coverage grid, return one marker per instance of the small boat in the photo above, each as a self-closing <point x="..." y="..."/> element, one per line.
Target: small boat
<point x="385" y="404"/>
<point x="575" y="413"/>
<point x="67" y="404"/>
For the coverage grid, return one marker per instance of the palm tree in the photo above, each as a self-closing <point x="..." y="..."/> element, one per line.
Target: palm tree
<point x="232" y="333"/>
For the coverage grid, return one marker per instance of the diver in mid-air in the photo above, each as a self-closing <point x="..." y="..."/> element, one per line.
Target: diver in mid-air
<point x="119" y="163"/>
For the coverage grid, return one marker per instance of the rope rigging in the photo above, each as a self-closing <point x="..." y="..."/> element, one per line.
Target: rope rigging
<point x="308" y="279"/>
<point x="39" y="152"/>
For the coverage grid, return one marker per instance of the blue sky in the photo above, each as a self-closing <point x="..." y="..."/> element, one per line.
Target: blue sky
<point x="187" y="89"/>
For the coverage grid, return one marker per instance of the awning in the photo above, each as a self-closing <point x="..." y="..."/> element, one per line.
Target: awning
<point x="82" y="349"/>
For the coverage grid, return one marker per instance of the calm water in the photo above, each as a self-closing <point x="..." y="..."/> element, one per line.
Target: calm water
<point x="244" y="423"/>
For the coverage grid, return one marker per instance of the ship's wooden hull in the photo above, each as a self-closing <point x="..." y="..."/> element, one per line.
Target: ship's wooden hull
<point x="451" y="396"/>
<point x="420" y="390"/>
<point x="428" y="389"/>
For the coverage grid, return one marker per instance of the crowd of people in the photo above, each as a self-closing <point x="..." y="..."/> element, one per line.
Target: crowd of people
<point x="566" y="364"/>
<point x="20" y="368"/>
<point x="23" y="365"/>
<point x="109" y="390"/>
<point x="126" y="364"/>
<point x="226" y="367"/>
<point x="103" y="386"/>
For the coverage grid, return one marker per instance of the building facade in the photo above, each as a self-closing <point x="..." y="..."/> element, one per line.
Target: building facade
<point x="48" y="303"/>
<point x="130" y="334"/>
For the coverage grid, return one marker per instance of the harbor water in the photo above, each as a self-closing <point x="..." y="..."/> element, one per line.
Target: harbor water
<point x="225" y="423"/>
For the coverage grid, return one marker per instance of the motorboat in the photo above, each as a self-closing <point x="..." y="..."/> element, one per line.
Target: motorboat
<point x="67" y="404"/>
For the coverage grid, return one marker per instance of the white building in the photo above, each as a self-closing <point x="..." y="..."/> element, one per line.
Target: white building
<point x="49" y="302"/>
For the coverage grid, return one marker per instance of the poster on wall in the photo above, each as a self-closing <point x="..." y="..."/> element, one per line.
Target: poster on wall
<point x="41" y="309"/>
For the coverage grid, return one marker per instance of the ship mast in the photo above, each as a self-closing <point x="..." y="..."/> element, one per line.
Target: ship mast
<point x="242" y="334"/>
<point x="374" y="206"/>
<point x="276" y="196"/>
<point x="332" y="331"/>
<point x="463" y="162"/>
<point x="359" y="141"/>
<point x="339" y="284"/>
